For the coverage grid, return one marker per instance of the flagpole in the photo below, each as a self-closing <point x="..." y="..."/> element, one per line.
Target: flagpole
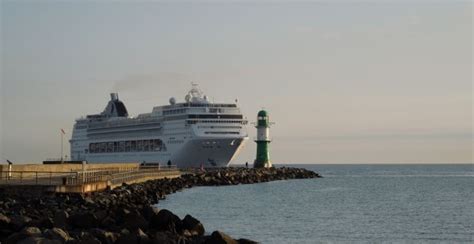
<point x="62" y="135"/>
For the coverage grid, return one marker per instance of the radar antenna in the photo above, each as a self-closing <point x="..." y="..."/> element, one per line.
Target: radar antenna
<point x="195" y="95"/>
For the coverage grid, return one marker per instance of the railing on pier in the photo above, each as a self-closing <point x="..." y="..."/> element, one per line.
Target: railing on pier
<point x="114" y="175"/>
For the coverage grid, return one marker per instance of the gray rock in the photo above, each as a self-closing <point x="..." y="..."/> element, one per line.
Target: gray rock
<point x="133" y="221"/>
<point x="194" y="226"/>
<point x="60" y="219"/>
<point x="84" y="220"/>
<point x="101" y="214"/>
<point x="103" y="236"/>
<point x="148" y="211"/>
<point x="31" y="231"/>
<point x="19" y="222"/>
<point x="164" y="238"/>
<point x="87" y="238"/>
<point x="218" y="237"/>
<point x="38" y="240"/>
<point x="4" y="221"/>
<point x="23" y="234"/>
<point x="166" y="221"/>
<point x="57" y="234"/>
<point x="135" y="237"/>
<point x="246" y="241"/>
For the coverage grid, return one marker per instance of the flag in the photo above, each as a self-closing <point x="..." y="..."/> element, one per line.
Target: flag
<point x="62" y="131"/>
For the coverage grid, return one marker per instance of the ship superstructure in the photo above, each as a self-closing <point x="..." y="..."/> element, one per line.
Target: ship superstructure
<point x="192" y="133"/>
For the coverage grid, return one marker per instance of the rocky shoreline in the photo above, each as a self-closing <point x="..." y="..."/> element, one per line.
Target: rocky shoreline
<point x="124" y="214"/>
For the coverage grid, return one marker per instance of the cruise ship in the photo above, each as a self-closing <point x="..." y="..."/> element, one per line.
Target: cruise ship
<point x="192" y="133"/>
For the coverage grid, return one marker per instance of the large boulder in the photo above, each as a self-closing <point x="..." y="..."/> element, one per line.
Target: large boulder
<point x="57" y="234"/>
<point x="28" y="232"/>
<point x="218" y="237"/>
<point x="193" y="225"/>
<point x="19" y="222"/>
<point x="135" y="237"/>
<point x="246" y="241"/>
<point x="4" y="221"/>
<point x="105" y="237"/>
<point x="148" y="211"/>
<point x="38" y="240"/>
<point x="5" y="226"/>
<point x="165" y="220"/>
<point x="164" y="238"/>
<point x="84" y="220"/>
<point x="108" y="222"/>
<point x="134" y="221"/>
<point x="87" y="238"/>
<point x="60" y="219"/>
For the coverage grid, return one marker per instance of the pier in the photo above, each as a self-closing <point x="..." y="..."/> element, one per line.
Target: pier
<point x="37" y="179"/>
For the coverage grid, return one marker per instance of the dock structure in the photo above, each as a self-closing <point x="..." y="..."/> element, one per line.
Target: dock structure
<point x="76" y="178"/>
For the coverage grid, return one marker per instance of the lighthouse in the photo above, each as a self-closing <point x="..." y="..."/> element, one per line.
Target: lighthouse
<point x="263" y="140"/>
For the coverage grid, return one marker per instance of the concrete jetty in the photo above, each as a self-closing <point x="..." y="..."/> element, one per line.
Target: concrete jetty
<point x="36" y="179"/>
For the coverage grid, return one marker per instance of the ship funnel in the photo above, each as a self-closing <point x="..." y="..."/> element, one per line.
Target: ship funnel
<point x="114" y="96"/>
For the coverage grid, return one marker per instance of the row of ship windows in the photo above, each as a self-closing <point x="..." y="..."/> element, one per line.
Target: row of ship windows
<point x="243" y="122"/>
<point x="221" y="132"/>
<point x="185" y="117"/>
<point x="175" y="141"/>
<point x="204" y="116"/>
<point x="212" y="105"/>
<point x="127" y="146"/>
<point x="183" y="110"/>
<point x="219" y="127"/>
<point x="175" y="111"/>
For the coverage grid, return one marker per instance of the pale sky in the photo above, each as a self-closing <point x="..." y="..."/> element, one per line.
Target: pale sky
<point x="344" y="81"/>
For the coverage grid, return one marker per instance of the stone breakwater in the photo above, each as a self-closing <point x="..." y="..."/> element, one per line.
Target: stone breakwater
<point x="124" y="214"/>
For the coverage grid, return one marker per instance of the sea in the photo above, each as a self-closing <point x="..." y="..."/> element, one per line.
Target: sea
<point x="350" y="204"/>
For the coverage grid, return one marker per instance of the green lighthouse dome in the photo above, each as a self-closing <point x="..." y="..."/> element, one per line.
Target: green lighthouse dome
<point x="262" y="113"/>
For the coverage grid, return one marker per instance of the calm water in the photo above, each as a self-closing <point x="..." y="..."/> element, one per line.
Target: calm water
<point x="353" y="203"/>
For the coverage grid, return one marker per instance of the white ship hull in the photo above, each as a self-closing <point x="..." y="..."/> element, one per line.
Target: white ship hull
<point x="217" y="155"/>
